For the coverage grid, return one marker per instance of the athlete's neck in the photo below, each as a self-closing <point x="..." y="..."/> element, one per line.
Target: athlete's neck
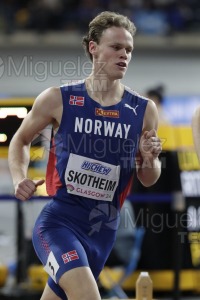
<point x="104" y="91"/>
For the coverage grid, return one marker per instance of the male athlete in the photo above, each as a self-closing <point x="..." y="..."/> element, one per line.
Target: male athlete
<point x="102" y="130"/>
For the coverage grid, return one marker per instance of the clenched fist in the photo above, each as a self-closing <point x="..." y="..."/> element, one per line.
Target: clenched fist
<point x="26" y="188"/>
<point x="150" y="145"/>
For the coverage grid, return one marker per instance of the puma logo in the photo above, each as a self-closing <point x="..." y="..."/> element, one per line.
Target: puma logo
<point x="130" y="107"/>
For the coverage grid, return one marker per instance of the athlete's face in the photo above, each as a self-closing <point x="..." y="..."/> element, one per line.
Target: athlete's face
<point x="113" y="53"/>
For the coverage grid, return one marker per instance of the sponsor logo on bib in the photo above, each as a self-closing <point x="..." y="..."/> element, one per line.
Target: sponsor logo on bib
<point x="91" y="178"/>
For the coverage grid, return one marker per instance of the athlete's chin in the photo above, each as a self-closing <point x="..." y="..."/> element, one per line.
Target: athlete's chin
<point x="121" y="76"/>
<point x="118" y="75"/>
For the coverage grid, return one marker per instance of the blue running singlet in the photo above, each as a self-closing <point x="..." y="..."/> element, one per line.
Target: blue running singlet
<point x="89" y="174"/>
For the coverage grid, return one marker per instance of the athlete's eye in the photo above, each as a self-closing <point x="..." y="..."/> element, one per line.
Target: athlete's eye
<point x="115" y="47"/>
<point x="129" y="50"/>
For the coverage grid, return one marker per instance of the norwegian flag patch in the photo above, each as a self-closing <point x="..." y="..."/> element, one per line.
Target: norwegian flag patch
<point x="76" y="100"/>
<point x="69" y="256"/>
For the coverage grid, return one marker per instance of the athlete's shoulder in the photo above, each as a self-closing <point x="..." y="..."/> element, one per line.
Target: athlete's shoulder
<point x="48" y="102"/>
<point x="73" y="85"/>
<point x="135" y="94"/>
<point x="51" y="95"/>
<point x="150" y="102"/>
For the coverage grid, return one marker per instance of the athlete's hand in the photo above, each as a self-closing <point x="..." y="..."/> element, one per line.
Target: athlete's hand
<point x="26" y="188"/>
<point x="150" y="145"/>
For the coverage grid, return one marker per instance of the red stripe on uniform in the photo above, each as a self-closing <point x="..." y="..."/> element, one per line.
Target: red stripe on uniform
<point x="126" y="191"/>
<point x="52" y="177"/>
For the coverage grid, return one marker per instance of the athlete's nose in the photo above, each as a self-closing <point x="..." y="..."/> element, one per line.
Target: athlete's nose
<point x="123" y="53"/>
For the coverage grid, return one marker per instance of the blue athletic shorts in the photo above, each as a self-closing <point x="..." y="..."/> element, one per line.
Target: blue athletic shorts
<point x="62" y="246"/>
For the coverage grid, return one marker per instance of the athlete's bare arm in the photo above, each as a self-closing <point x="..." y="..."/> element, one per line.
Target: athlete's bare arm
<point x="47" y="109"/>
<point x="196" y="131"/>
<point x="148" y="164"/>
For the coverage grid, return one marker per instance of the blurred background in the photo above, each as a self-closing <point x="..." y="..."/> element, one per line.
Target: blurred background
<point x="40" y="46"/>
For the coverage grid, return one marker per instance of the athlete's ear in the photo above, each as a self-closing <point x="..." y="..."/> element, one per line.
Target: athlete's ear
<point x="93" y="47"/>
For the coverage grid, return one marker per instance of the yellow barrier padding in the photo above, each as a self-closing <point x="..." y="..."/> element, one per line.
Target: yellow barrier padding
<point x="36" y="153"/>
<point x="36" y="173"/>
<point x="163" y="280"/>
<point x="16" y="101"/>
<point x="196" y="283"/>
<point x="188" y="160"/>
<point x="4" y="152"/>
<point x="167" y="135"/>
<point x="37" y="277"/>
<point x="3" y="275"/>
<point x="194" y="247"/>
<point x="184" y="138"/>
<point x="176" y="137"/>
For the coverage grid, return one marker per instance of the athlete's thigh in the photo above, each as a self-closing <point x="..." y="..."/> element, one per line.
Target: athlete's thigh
<point x="58" y="249"/>
<point x="48" y="294"/>
<point x="79" y="283"/>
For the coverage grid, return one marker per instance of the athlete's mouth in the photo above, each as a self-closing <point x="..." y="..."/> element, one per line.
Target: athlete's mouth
<point x="122" y="64"/>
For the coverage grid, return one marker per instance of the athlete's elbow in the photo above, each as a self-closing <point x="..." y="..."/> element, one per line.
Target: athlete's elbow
<point x="148" y="180"/>
<point x="148" y="183"/>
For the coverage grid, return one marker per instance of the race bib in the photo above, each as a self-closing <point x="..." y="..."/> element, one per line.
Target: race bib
<point x="91" y="178"/>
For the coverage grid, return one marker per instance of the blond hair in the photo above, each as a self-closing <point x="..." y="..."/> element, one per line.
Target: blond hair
<point x="102" y="22"/>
